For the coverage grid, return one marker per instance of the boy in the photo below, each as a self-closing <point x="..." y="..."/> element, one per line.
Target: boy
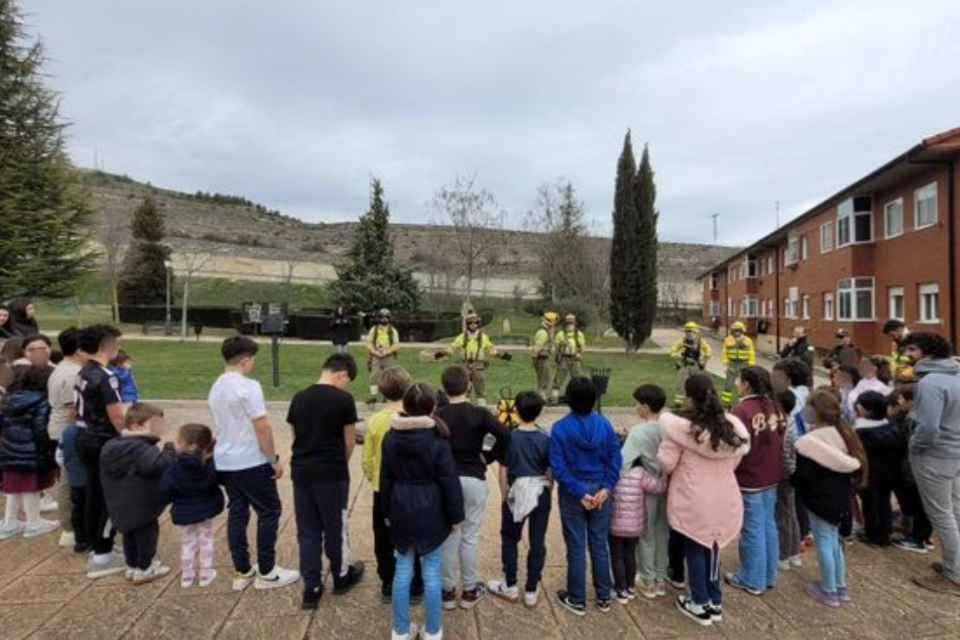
<point x="76" y="482"/>
<point x="642" y="442"/>
<point x="131" y="467"/>
<point x="393" y="384"/>
<point x="60" y="393"/>
<point x="469" y="426"/>
<point x="899" y="411"/>
<point x="324" y="421"/>
<point x="525" y="488"/>
<point x="249" y="467"/>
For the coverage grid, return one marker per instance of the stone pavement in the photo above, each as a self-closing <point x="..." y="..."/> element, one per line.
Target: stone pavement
<point x="45" y="594"/>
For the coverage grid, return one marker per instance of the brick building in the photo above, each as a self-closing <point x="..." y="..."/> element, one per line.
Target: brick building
<point x="883" y="247"/>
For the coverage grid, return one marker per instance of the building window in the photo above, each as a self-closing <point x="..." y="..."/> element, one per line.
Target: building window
<point x="893" y="218"/>
<point x="897" y="309"/>
<point x="792" y="255"/>
<point x="786" y="308"/>
<point x="826" y="237"/>
<point x="930" y="303"/>
<point x="854" y="222"/>
<point x="752" y="268"/>
<point x="803" y="247"/>
<point x="806" y="307"/>
<point x="855" y="299"/>
<point x="715" y="309"/>
<point x="770" y="265"/>
<point x="828" y="306"/>
<point x="925" y="206"/>
<point x="729" y="306"/>
<point x="715" y="280"/>
<point x="749" y="307"/>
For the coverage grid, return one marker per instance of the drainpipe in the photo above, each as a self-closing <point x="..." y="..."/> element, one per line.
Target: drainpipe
<point x="776" y="281"/>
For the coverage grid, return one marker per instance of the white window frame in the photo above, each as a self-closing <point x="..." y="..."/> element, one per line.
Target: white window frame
<point x="730" y="307"/>
<point x="804" y="248"/>
<point x="805" y="307"/>
<point x="924" y="292"/>
<point x="928" y="191"/>
<point x="851" y="287"/>
<point x="792" y="255"/>
<point x="845" y="213"/>
<point x="828" y="311"/>
<point x="896" y="292"/>
<point x="826" y="246"/>
<point x="750" y="307"/>
<point x="887" y="208"/>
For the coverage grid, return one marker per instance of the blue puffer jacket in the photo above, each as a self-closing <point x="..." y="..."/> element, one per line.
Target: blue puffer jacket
<point x="25" y="444"/>
<point x="192" y="488"/>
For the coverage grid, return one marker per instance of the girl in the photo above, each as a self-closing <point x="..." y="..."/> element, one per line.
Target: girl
<point x="829" y="459"/>
<point x="700" y="450"/>
<point x="884" y="445"/>
<point x="758" y="474"/>
<point x="875" y="376"/>
<point x="192" y="488"/>
<point x="846" y="379"/>
<point x="26" y="453"/>
<point x="23" y="323"/>
<point x="6" y="331"/>
<point x="423" y="501"/>
<point x="788" y="514"/>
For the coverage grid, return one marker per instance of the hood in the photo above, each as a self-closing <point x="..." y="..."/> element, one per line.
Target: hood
<point x="124" y="451"/>
<point x="413" y="437"/>
<point x="19" y="403"/>
<point x="191" y="466"/>
<point x="864" y="423"/>
<point x="583" y="434"/>
<point x="946" y="366"/>
<point x="678" y="429"/>
<point x="826" y="447"/>
<point x="408" y="423"/>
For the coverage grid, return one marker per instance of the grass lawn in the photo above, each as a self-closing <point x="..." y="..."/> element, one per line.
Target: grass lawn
<point x="172" y="370"/>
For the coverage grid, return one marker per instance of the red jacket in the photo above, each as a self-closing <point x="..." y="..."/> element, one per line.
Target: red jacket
<point x="763" y="466"/>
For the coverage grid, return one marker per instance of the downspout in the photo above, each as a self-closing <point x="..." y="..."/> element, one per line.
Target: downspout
<point x="776" y="281"/>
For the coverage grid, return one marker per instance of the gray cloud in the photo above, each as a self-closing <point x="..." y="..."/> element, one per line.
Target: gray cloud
<point x="297" y="104"/>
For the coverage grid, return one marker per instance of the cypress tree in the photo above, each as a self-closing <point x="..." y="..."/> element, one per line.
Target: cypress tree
<point x="644" y="282"/>
<point x="623" y="252"/>
<point x="44" y="215"/>
<point x="143" y="278"/>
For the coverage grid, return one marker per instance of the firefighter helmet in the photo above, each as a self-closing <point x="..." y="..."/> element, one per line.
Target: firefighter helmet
<point x="384" y="313"/>
<point x="738" y="326"/>
<point x="550" y="318"/>
<point x="570" y="319"/>
<point x="472" y="318"/>
<point x="692" y="326"/>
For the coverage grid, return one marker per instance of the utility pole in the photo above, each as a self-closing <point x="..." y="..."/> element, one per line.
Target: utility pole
<point x="715" y="216"/>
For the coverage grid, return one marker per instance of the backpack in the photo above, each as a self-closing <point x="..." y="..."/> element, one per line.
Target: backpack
<point x="507" y="409"/>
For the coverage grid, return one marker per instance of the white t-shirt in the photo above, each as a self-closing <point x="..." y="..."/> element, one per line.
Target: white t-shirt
<point x="61" y="388"/>
<point x="235" y="402"/>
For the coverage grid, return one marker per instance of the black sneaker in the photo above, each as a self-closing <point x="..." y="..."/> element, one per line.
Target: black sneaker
<point x="344" y="584"/>
<point x="82" y="547"/>
<point x="386" y="592"/>
<point x="469" y="599"/>
<point x="604" y="605"/>
<point x="716" y="612"/>
<point x="911" y="545"/>
<point x="700" y="615"/>
<point x="575" y="608"/>
<point x="311" y="598"/>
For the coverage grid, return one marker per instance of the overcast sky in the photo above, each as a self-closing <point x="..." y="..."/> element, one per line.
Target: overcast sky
<point x="296" y="104"/>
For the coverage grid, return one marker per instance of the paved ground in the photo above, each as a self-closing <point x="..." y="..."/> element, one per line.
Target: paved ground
<point x="44" y="594"/>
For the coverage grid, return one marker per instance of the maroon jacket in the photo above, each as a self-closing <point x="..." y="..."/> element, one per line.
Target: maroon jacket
<point x="762" y="467"/>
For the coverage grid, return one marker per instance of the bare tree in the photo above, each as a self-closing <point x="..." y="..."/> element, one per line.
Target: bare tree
<point x="189" y="263"/>
<point x="473" y="213"/>
<point x="114" y="235"/>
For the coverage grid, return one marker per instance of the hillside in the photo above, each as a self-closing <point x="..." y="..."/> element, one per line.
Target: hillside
<point x="251" y="241"/>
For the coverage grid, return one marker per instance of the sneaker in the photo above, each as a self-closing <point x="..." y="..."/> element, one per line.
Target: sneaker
<point x="796" y="561"/>
<point x="715" y="611"/>
<point x="661" y="588"/>
<point x="604" y="605"/>
<point x="113" y="563"/>
<point x="784" y="565"/>
<point x="48" y="504"/>
<point x="530" y="598"/>
<point x="938" y="583"/>
<point x="929" y="545"/>
<point x="501" y="590"/>
<point x="39" y="528"/>
<point x="679" y="585"/>
<point x="413" y="634"/>
<point x="732" y="580"/>
<point x="67" y="539"/>
<point x="386" y="592"/>
<point x="154" y="572"/>
<point x="207" y="577"/>
<point x="450" y="599"/>
<point x="82" y="547"/>
<point x="695" y="612"/>
<point x="346" y="583"/>
<point x="911" y="545"/>
<point x="621" y="597"/>
<point x="575" y="608"/>
<point x="276" y="579"/>
<point x="469" y="599"/>
<point x="186" y="582"/>
<point x="647" y="588"/>
<point x="431" y="636"/>
<point x="844" y="594"/>
<point x="10" y="530"/>
<point x="243" y="580"/>
<point x="311" y="598"/>
<point x="128" y="574"/>
<point x="815" y="591"/>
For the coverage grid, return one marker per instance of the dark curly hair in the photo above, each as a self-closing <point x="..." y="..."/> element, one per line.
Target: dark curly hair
<point x="706" y="413"/>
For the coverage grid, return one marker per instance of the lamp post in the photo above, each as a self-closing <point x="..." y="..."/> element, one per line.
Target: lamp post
<point x="168" y="265"/>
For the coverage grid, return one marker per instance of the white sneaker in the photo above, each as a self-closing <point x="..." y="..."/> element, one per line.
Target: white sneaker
<point x="530" y="598"/>
<point x="103" y="568"/>
<point x="796" y="561"/>
<point x="39" y="528"/>
<point x="67" y="539"/>
<point x="276" y="579"/>
<point x="207" y="580"/>
<point x="129" y="573"/>
<point x="501" y="590"/>
<point x="48" y="504"/>
<point x="243" y="580"/>
<point x="784" y="565"/>
<point x="11" y="529"/>
<point x="410" y="635"/>
<point x="154" y="572"/>
<point x="432" y="636"/>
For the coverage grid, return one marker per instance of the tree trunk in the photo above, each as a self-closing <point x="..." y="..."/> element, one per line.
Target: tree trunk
<point x="115" y="307"/>
<point x="183" y="311"/>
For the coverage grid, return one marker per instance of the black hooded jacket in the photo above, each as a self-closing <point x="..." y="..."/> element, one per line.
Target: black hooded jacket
<point x="191" y="486"/>
<point x="131" y="468"/>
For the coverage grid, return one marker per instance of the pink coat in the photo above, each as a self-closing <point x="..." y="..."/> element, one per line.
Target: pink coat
<point x="629" y="519"/>
<point x="703" y="502"/>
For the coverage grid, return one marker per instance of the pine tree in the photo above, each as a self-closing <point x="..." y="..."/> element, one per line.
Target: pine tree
<point x="644" y="283"/>
<point x="144" y="276"/>
<point x="371" y="280"/>
<point x="44" y="215"/>
<point x="623" y="252"/>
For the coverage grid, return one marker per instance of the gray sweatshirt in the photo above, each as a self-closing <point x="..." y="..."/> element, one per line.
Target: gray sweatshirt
<point x="937" y="409"/>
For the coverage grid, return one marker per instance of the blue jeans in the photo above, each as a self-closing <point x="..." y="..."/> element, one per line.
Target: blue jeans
<point x="833" y="564"/>
<point x="759" y="540"/>
<point x="257" y="488"/>
<point x="582" y="529"/>
<point x="432" y="566"/>
<point x="703" y="572"/>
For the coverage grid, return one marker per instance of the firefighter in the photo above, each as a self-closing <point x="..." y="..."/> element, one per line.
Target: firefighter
<point x="845" y="353"/>
<point x="570" y="343"/>
<point x="799" y="347"/>
<point x="475" y="348"/>
<point x="383" y="342"/>
<point x="738" y="354"/>
<point x="900" y="366"/>
<point x="543" y="352"/>
<point x="690" y="354"/>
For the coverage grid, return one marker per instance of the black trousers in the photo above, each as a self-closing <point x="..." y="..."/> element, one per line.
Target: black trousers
<point x="321" y="514"/>
<point x="383" y="548"/>
<point x="512" y="532"/>
<point x="675" y="557"/>
<point x="623" y="558"/>
<point x="100" y="533"/>
<point x="140" y="546"/>
<point x="78" y="516"/>
<point x="912" y="505"/>
<point x="877" y="512"/>
<point x="252" y="488"/>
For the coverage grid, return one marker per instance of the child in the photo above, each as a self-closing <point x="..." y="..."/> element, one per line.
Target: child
<point x="423" y="500"/>
<point x="701" y="448"/>
<point x="884" y="445"/>
<point x="788" y="524"/>
<point x="191" y="485"/>
<point x="77" y="479"/>
<point x="846" y="378"/>
<point x="875" y="376"/>
<point x="131" y="468"/>
<point x="899" y="411"/>
<point x="393" y="384"/>
<point x="829" y="459"/>
<point x="122" y="367"/>
<point x="525" y="488"/>
<point x="641" y="445"/>
<point x="26" y="453"/>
